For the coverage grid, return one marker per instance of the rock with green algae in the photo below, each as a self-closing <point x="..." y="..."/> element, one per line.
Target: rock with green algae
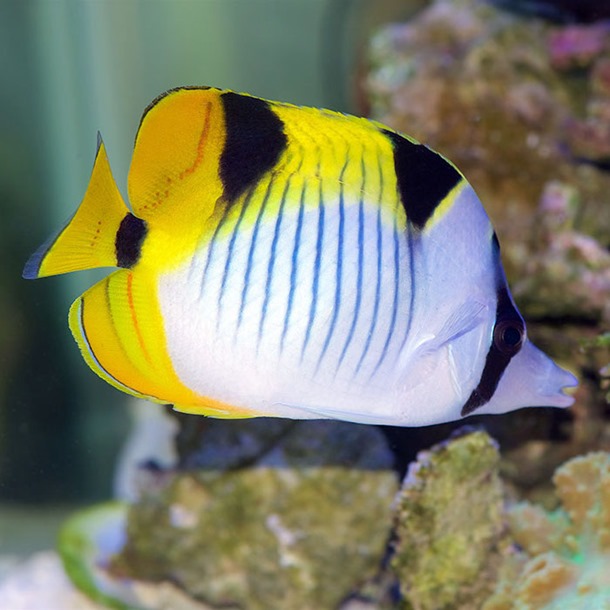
<point x="302" y="528"/>
<point x="451" y="535"/>
<point x="565" y="563"/>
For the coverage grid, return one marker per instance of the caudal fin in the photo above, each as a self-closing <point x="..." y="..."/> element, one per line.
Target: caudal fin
<point x="88" y="239"/>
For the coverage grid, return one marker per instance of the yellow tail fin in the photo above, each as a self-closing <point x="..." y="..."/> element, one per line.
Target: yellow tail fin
<point x="88" y="239"/>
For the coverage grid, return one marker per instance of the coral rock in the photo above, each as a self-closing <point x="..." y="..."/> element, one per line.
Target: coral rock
<point x="301" y="528"/>
<point x="450" y="525"/>
<point x="566" y="563"/>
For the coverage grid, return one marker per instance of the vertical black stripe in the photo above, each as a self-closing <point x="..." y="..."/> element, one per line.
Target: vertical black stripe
<point x="424" y="178"/>
<point x="128" y="241"/>
<point x="255" y="139"/>
<point x="499" y="355"/>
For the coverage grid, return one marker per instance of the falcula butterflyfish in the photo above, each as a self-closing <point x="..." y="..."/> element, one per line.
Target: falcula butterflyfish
<point x="295" y="262"/>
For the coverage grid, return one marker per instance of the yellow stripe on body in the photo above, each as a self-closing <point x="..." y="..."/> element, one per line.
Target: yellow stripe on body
<point x="118" y="327"/>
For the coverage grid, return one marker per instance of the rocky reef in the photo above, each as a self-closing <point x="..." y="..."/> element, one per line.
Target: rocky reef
<point x="302" y="523"/>
<point x="462" y="544"/>
<point x="450" y="527"/>
<point x="321" y="538"/>
<point x="564" y="557"/>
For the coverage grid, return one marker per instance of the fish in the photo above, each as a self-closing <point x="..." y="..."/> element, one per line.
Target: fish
<point x="296" y="262"/>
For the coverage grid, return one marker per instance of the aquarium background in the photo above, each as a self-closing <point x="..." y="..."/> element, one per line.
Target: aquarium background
<point x="73" y="68"/>
<point x="517" y="94"/>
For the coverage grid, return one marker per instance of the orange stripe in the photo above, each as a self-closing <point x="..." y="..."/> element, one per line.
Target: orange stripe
<point x="201" y="143"/>
<point x="134" y="318"/>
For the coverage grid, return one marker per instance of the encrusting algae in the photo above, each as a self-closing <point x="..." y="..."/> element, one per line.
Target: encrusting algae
<point x="248" y="537"/>
<point x="459" y="547"/>
<point x="450" y="525"/>
<point x="565" y="563"/>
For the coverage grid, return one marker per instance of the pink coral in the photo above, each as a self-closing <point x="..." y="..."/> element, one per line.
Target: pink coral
<point x="577" y="45"/>
<point x="563" y="269"/>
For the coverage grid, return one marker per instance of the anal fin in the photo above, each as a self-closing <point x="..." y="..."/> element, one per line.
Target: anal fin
<point x="118" y="327"/>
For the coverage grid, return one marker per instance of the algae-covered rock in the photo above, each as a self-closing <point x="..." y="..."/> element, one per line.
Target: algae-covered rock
<point x="460" y="549"/>
<point x="450" y="525"/>
<point x="301" y="528"/>
<point x="314" y="536"/>
<point x="566" y="553"/>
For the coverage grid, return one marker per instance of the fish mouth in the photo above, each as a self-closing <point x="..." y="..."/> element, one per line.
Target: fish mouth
<point x="564" y="397"/>
<point x="558" y="386"/>
<point x="560" y="399"/>
<point x="532" y="379"/>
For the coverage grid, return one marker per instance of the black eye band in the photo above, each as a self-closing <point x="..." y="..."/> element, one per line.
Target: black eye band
<point x="508" y="338"/>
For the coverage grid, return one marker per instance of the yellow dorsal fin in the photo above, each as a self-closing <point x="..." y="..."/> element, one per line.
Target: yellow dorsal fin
<point x="176" y="155"/>
<point x="88" y="238"/>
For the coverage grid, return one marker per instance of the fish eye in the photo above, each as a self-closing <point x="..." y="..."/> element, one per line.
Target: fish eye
<point x="509" y="336"/>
